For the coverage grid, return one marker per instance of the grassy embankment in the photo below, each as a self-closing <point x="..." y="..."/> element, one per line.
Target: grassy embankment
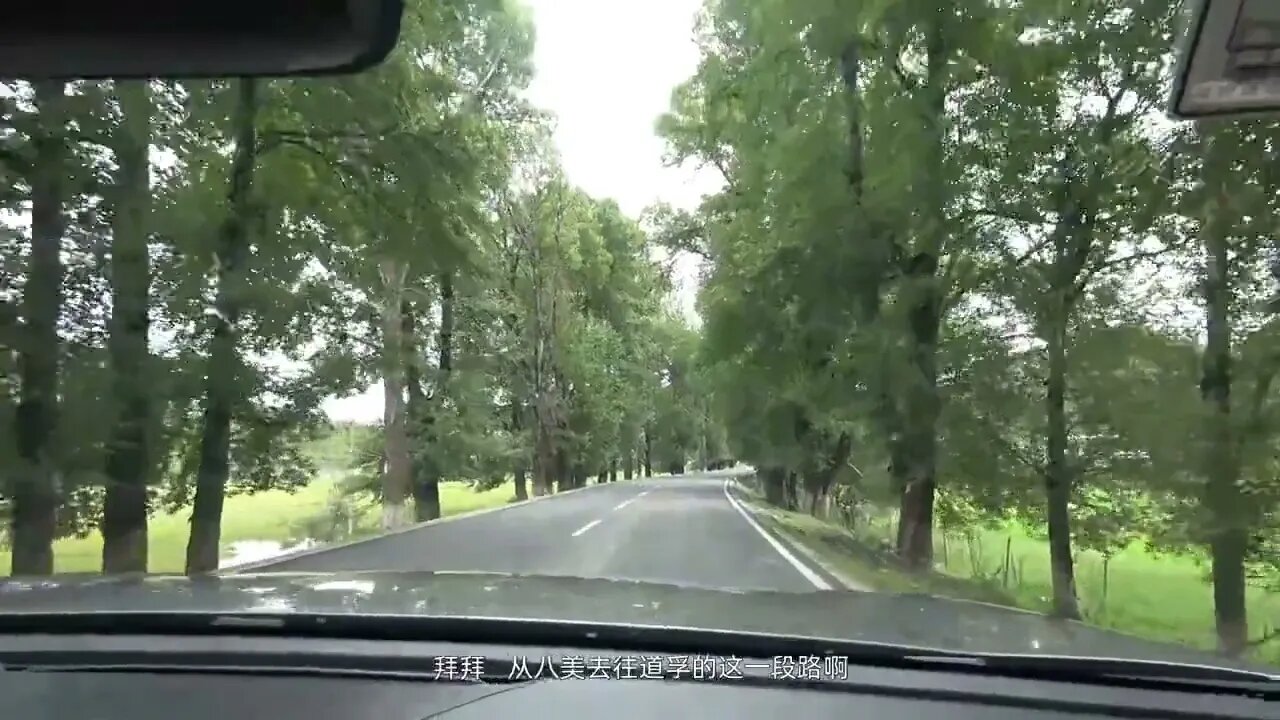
<point x="276" y="516"/>
<point x="1161" y="597"/>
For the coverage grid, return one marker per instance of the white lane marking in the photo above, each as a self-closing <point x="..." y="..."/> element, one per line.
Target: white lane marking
<point x="324" y="548"/>
<point x="586" y="527"/>
<point x="808" y="574"/>
<point x="624" y="503"/>
<point x="642" y="494"/>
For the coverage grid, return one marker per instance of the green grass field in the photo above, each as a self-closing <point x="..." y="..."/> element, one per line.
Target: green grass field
<point x="1161" y="597"/>
<point x="275" y="516"/>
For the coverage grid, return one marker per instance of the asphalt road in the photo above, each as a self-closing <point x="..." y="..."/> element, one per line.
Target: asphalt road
<point x="681" y="529"/>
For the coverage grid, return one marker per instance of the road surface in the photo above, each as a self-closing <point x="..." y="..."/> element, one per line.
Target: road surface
<point x="682" y="529"/>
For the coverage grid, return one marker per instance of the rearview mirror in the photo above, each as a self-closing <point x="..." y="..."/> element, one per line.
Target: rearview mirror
<point x="68" y="39"/>
<point x="1228" y="59"/>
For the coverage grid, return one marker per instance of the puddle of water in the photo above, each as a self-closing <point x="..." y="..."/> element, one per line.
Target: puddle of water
<point x="248" y="551"/>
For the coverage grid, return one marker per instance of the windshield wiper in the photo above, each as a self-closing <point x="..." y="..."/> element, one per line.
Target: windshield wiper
<point x="1071" y="667"/>
<point x="651" y="639"/>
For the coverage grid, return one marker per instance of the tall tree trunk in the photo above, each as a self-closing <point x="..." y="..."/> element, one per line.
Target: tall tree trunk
<point x="128" y="465"/>
<point x="522" y="491"/>
<point x="571" y="475"/>
<point x="549" y="460"/>
<point x="1058" y="480"/>
<point x="703" y="460"/>
<point x="876" y="270"/>
<point x="915" y="537"/>
<point x="775" y="485"/>
<point x="613" y="470"/>
<point x="446" y="329"/>
<point x="35" y="490"/>
<point x="915" y="526"/>
<point x="519" y="471"/>
<point x="893" y="424"/>
<point x="1072" y="245"/>
<point x="431" y="493"/>
<point x="1224" y="500"/>
<point x="418" y="415"/>
<point x="790" y="485"/>
<point x="221" y="376"/>
<point x="397" y="476"/>
<point x="546" y="457"/>
<point x="822" y="482"/>
<point x="628" y="464"/>
<point x="518" y="369"/>
<point x="544" y="460"/>
<point x="648" y="452"/>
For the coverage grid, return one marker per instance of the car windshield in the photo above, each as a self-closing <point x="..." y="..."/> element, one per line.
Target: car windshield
<point x="914" y="321"/>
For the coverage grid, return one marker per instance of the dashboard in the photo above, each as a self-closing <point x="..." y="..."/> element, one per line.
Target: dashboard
<point x="245" y="677"/>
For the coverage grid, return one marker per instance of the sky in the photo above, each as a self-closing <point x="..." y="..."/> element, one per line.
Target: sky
<point x="606" y="71"/>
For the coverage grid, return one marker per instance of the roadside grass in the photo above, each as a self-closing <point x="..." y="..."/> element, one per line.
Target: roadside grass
<point x="274" y="515"/>
<point x="864" y="564"/>
<point x="1162" y="596"/>
<point x="1159" y="597"/>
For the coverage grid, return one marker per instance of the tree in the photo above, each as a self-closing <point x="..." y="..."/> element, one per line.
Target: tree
<point x="35" y="492"/>
<point x="129" y="458"/>
<point x="220" y="386"/>
<point x="946" y="245"/>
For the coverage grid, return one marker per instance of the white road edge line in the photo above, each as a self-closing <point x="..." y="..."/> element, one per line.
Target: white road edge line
<point x="804" y="570"/>
<point x="624" y="503"/>
<point x="586" y="527"/>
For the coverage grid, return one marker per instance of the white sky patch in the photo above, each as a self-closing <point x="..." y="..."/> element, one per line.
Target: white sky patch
<point x="606" y="70"/>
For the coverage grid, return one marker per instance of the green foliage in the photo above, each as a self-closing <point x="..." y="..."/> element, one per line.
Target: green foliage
<point x="435" y="163"/>
<point x="922" y="204"/>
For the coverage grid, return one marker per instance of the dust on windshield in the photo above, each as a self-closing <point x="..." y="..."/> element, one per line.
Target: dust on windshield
<point x="920" y="297"/>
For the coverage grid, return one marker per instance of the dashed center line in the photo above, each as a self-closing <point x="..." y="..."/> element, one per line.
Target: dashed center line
<point x="624" y="503"/>
<point x="642" y="494"/>
<point x="586" y="527"/>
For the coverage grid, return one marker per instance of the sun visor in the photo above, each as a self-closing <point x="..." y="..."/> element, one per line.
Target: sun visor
<point x="71" y="39"/>
<point x="1228" y="59"/>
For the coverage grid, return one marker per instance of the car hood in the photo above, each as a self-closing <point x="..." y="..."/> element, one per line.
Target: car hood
<point x="904" y="619"/>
